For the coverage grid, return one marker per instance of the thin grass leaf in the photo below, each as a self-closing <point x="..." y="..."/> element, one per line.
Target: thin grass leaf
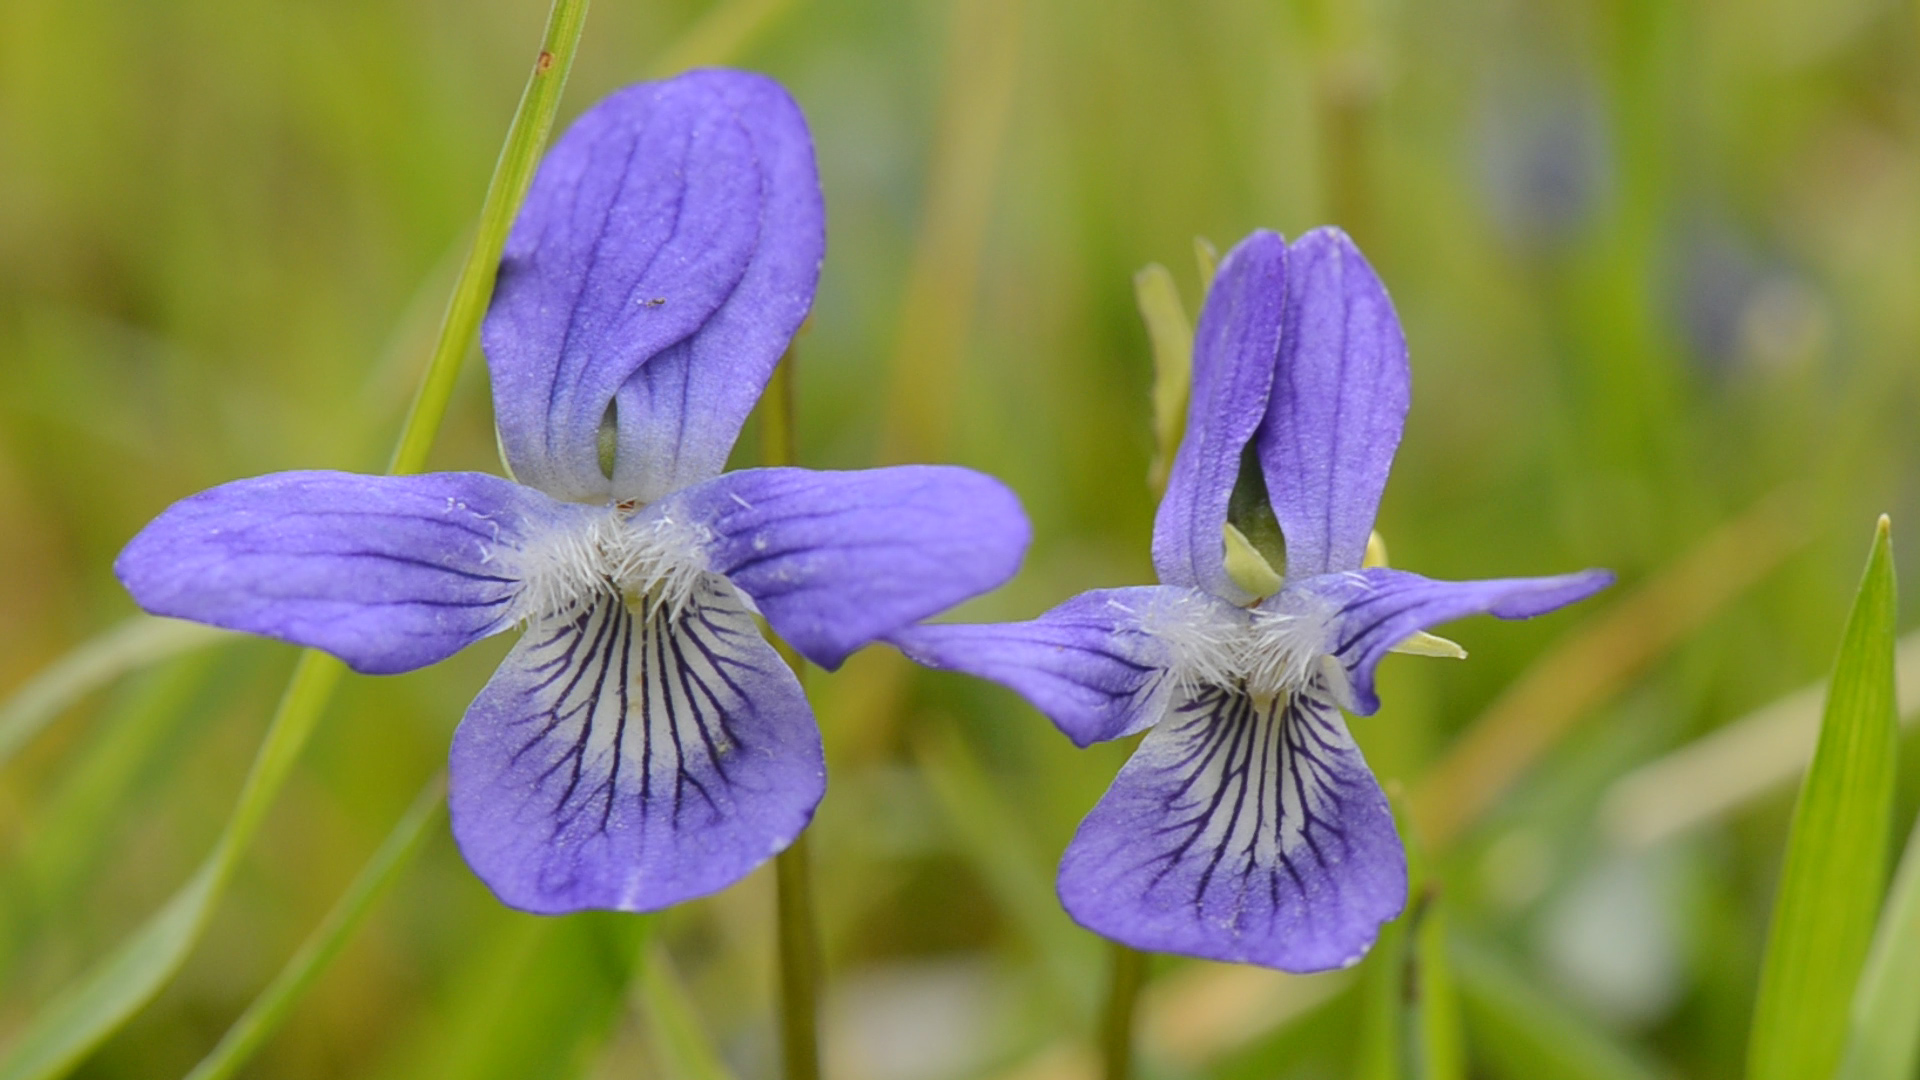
<point x="268" y="1011"/>
<point x="64" y="841"/>
<point x="109" y="994"/>
<point x="1836" y="850"/>
<point x="680" y="1044"/>
<point x="81" y="1017"/>
<point x="1172" y="338"/>
<point x="1517" y="1032"/>
<point x="1885" y="1039"/>
<point x="124" y="648"/>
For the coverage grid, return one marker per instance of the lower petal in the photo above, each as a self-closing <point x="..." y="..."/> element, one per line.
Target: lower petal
<point x="1241" y="831"/>
<point x="630" y="757"/>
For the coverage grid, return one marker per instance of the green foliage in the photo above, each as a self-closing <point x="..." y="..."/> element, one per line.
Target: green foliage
<point x="1835" y="867"/>
<point x="1654" y="262"/>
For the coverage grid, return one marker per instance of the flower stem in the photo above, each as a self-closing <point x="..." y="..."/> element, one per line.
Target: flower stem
<point x="793" y="883"/>
<point x="1127" y="974"/>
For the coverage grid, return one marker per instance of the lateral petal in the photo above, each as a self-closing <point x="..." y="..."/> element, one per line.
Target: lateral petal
<point x="1339" y="401"/>
<point x="632" y="759"/>
<point x="1243" y="831"/>
<point x="836" y="560"/>
<point x="1089" y="664"/>
<point x="1379" y="608"/>
<point x="389" y="573"/>
<point x="1234" y="348"/>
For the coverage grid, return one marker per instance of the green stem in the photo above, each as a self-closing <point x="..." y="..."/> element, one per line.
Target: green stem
<point x="793" y="884"/>
<point x="799" y="964"/>
<point x="1128" y="974"/>
<point x="87" y="1012"/>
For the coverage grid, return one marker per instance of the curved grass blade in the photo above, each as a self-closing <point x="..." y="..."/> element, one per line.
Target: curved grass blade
<point x="68" y="835"/>
<point x="270" y="1009"/>
<point x="1885" y="1043"/>
<point x="80" y="1018"/>
<point x="1836" y="850"/>
<point x="123" y="648"/>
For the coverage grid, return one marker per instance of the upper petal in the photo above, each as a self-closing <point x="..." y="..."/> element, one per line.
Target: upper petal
<point x="681" y="412"/>
<point x="1234" y="347"/>
<point x="632" y="757"/>
<point x="670" y="211"/>
<point x="836" y="560"/>
<point x="1378" y="608"/>
<point x="1241" y="830"/>
<point x="1090" y="665"/>
<point x="1339" y="401"/>
<point x="389" y="573"/>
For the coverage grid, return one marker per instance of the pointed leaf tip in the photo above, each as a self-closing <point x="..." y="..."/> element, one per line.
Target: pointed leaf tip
<point x="1835" y="867"/>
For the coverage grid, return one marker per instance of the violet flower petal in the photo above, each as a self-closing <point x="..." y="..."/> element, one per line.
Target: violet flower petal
<point x="1339" y="401"/>
<point x="1088" y="664"/>
<point x="1233" y="368"/>
<point x="836" y="560"/>
<point x="633" y="761"/>
<point x="1241" y="832"/>
<point x="645" y="219"/>
<point x="1379" y="608"/>
<point x="681" y="412"/>
<point x="389" y="573"/>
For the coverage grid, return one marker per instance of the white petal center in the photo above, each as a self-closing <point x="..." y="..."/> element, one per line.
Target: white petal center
<point x="659" y="558"/>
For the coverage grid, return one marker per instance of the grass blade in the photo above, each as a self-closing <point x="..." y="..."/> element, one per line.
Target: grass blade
<point x="1885" y="1043"/>
<point x="126" y="647"/>
<point x="106" y="996"/>
<point x="270" y="1009"/>
<point x="1836" y="850"/>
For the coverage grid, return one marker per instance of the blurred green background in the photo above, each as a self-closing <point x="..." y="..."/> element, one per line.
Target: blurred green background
<point x="1659" y="267"/>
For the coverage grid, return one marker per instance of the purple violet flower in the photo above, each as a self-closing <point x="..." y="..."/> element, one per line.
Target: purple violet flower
<point x="642" y="744"/>
<point x="1246" y="826"/>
